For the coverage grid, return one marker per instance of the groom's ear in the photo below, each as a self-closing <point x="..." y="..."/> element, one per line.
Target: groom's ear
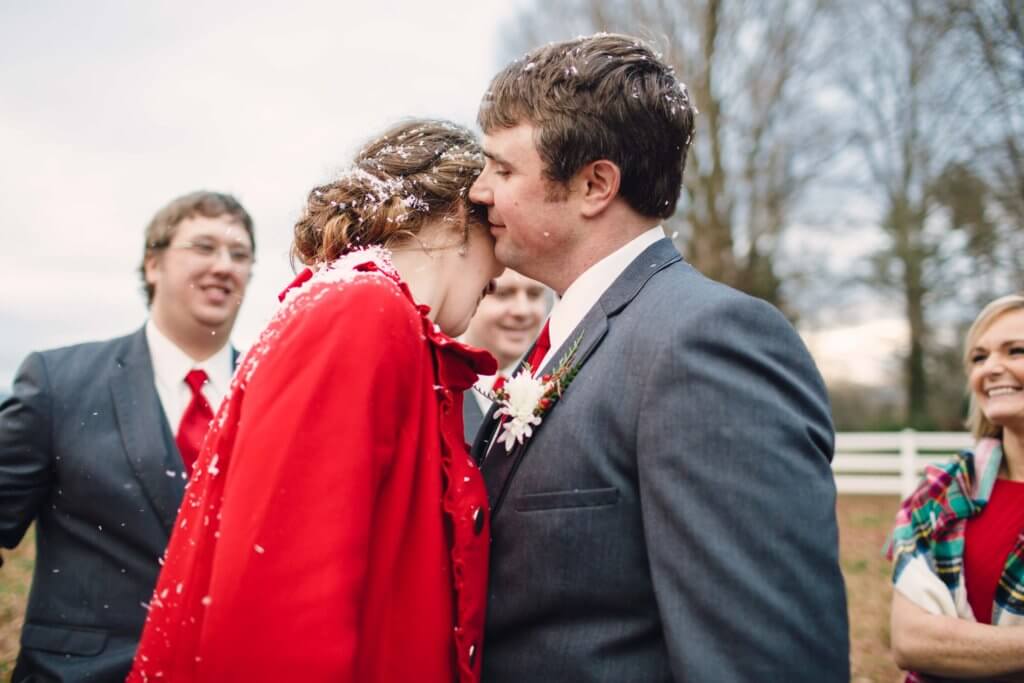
<point x="599" y="182"/>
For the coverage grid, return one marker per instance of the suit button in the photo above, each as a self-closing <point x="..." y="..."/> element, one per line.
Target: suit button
<point x="478" y="520"/>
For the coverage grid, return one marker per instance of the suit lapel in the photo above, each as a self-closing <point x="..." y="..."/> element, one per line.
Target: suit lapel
<point x="499" y="466"/>
<point x="141" y="423"/>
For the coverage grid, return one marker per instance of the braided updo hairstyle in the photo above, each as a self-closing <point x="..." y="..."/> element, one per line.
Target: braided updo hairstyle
<point x="417" y="172"/>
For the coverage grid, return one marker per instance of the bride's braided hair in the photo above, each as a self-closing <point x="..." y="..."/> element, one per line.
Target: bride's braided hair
<point x="418" y="171"/>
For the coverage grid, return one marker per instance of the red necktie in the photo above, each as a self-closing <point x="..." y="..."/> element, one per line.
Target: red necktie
<point x="540" y="349"/>
<point x="499" y="382"/>
<point x="195" y="420"/>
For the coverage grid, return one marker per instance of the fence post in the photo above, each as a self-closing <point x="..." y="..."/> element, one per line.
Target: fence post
<point x="908" y="462"/>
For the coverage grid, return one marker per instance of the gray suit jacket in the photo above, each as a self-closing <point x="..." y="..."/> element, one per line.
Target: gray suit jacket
<point x="673" y="517"/>
<point x="86" y="453"/>
<point x="472" y="416"/>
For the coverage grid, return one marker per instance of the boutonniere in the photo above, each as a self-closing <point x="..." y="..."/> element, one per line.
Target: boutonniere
<point x="524" y="400"/>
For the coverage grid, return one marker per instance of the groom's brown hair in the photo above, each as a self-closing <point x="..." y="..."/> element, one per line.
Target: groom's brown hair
<point x="606" y="96"/>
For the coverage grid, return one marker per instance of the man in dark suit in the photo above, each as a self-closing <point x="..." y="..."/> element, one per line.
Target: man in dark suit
<point x="97" y="439"/>
<point x="672" y="517"/>
<point x="505" y="323"/>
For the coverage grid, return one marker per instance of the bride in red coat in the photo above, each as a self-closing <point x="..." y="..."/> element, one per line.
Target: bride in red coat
<point x="334" y="528"/>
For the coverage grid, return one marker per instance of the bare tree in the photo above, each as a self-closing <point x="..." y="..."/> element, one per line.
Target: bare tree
<point x="752" y="69"/>
<point x="912" y="101"/>
<point x="994" y="39"/>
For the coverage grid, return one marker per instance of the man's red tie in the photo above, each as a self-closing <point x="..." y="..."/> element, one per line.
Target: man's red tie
<point x="540" y="349"/>
<point x="194" y="421"/>
<point x="499" y="382"/>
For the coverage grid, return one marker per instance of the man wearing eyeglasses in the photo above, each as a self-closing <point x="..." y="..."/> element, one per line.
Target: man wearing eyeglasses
<point x="98" y="439"/>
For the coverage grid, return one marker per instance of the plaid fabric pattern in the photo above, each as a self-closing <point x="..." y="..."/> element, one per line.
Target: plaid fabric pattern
<point x="930" y="527"/>
<point x="1010" y="591"/>
<point x="932" y="520"/>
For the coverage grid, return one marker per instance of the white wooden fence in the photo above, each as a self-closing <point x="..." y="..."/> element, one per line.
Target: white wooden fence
<point x="890" y="463"/>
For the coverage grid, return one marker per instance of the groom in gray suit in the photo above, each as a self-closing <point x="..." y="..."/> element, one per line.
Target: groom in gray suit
<point x="672" y="517"/>
<point x="96" y="441"/>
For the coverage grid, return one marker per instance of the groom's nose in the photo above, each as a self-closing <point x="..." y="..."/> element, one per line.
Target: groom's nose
<point x="479" y="192"/>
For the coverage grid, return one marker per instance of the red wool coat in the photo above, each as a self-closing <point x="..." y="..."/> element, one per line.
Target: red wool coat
<point x="335" y="528"/>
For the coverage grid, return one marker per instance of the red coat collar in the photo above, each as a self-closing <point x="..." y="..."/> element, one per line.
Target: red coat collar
<point x="460" y="364"/>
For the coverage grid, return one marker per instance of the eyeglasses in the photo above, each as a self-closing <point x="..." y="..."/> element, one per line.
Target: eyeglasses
<point x="208" y="249"/>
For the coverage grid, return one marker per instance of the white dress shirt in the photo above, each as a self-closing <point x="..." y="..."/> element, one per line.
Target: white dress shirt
<point x="171" y="364"/>
<point x="585" y="290"/>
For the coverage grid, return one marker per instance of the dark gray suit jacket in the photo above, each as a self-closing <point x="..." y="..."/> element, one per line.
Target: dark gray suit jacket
<point x="86" y="453"/>
<point x="472" y="416"/>
<point x="673" y="517"/>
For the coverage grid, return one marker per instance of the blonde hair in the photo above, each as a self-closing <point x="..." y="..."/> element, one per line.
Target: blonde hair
<point x="976" y="421"/>
<point x="416" y="172"/>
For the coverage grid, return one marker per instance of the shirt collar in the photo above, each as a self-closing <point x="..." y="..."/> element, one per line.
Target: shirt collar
<point x="171" y="364"/>
<point x="585" y="290"/>
<point x="485" y="382"/>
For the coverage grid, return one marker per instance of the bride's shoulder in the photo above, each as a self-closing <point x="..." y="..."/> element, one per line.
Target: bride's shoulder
<point x="370" y="300"/>
<point x="349" y="287"/>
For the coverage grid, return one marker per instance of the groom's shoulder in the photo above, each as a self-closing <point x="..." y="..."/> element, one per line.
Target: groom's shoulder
<point x="686" y="285"/>
<point x="681" y="296"/>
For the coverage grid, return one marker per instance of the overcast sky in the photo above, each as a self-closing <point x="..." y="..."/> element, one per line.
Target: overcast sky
<point x="109" y="109"/>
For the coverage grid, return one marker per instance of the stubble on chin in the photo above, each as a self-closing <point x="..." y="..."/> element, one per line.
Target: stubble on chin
<point x="506" y="256"/>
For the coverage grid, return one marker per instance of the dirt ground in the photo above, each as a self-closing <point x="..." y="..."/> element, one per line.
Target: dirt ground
<point x="864" y="522"/>
<point x="15" y="576"/>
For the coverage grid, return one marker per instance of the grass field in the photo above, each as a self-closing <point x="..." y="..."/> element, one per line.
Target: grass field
<point x="864" y="522"/>
<point x="15" y="576"/>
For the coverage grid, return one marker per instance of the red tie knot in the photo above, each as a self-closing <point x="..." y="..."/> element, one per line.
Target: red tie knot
<point x="195" y="379"/>
<point x="544" y="339"/>
<point x="499" y="382"/>
<point x="540" y="349"/>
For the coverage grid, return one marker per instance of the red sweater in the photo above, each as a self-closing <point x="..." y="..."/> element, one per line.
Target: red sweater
<point x="988" y="541"/>
<point x="335" y="528"/>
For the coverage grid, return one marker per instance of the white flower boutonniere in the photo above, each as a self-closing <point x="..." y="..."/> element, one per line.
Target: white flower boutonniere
<point x="524" y="400"/>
